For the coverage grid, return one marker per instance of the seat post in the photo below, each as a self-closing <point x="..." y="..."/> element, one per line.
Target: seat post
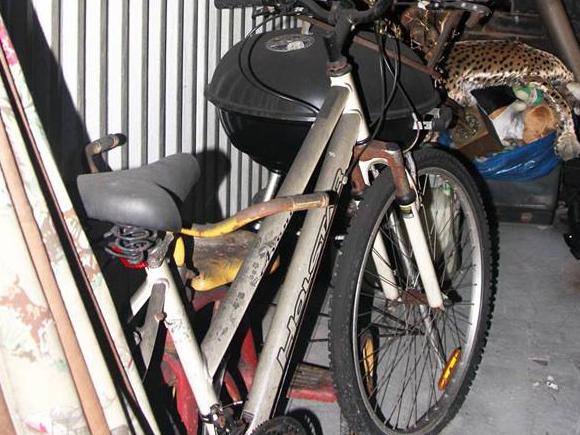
<point x="272" y="186"/>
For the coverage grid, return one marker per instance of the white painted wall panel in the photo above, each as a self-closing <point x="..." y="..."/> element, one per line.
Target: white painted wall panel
<point x="174" y="74"/>
<point x="95" y="80"/>
<point x="156" y="81"/>
<point x="137" y="115"/>
<point x="139" y="67"/>
<point x="189" y="76"/>
<point x="116" y="76"/>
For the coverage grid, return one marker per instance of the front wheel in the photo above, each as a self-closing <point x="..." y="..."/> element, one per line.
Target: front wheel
<point x="400" y="366"/>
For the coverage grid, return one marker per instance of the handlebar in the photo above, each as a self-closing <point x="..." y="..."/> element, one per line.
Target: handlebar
<point x="317" y="10"/>
<point x="472" y="6"/>
<point x="100" y="146"/>
<point x="355" y="16"/>
<point x="230" y="4"/>
<point x="344" y="19"/>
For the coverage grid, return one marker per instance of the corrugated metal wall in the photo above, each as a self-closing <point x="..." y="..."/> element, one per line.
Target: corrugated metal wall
<point x="138" y="67"/>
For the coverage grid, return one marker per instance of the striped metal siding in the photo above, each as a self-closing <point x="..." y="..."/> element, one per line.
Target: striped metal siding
<point x="138" y="67"/>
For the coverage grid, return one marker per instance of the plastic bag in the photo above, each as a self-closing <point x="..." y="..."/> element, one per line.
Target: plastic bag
<point x="524" y="163"/>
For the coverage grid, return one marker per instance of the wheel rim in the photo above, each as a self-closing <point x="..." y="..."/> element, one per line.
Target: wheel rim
<point x="408" y="335"/>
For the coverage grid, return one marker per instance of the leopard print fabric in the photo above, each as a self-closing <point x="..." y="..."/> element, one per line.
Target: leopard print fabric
<point x="479" y="64"/>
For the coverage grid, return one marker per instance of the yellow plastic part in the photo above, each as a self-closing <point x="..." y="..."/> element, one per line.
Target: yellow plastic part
<point x="179" y="252"/>
<point x="217" y="260"/>
<point x="449" y="370"/>
<point x="221" y="229"/>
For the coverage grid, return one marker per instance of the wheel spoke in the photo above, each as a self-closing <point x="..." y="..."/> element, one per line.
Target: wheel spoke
<point x="400" y="371"/>
<point x="380" y="278"/>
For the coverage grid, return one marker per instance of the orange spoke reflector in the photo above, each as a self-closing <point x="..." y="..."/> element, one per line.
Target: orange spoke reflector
<point x="368" y="351"/>
<point x="449" y="369"/>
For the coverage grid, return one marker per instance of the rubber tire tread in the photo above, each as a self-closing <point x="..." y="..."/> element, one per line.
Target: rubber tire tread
<point x="344" y="282"/>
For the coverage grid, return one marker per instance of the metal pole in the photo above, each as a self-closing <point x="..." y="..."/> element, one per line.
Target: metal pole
<point x="272" y="187"/>
<point x="561" y="32"/>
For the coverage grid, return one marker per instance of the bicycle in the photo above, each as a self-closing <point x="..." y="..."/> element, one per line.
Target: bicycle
<point x="413" y="272"/>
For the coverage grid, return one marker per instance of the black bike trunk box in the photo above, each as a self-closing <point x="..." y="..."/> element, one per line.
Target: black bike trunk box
<point x="267" y="90"/>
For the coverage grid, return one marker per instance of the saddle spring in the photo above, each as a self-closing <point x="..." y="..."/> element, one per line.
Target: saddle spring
<point x="130" y="243"/>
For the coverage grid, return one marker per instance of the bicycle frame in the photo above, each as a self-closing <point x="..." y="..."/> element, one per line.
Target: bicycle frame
<point x="338" y="127"/>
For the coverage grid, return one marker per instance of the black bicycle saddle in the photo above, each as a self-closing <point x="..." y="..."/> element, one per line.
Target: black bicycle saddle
<point x="147" y="197"/>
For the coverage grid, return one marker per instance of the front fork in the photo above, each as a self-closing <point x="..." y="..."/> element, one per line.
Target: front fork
<point x="408" y="201"/>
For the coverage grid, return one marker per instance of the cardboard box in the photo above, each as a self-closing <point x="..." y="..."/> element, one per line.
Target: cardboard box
<point x="474" y="135"/>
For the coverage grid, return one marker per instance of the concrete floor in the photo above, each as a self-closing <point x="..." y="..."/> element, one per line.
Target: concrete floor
<point x="534" y="339"/>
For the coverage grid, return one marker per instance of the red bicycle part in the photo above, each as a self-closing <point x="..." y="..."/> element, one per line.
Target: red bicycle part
<point x="309" y="382"/>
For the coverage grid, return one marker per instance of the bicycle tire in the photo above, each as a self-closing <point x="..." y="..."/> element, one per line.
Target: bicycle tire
<point x="356" y="378"/>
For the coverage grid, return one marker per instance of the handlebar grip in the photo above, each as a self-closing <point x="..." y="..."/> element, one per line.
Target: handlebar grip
<point x="109" y="142"/>
<point x="102" y="145"/>
<point x="230" y="4"/>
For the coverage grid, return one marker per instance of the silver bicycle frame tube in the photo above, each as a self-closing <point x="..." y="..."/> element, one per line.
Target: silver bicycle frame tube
<point x="301" y="273"/>
<point x="178" y="326"/>
<point x="229" y="316"/>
